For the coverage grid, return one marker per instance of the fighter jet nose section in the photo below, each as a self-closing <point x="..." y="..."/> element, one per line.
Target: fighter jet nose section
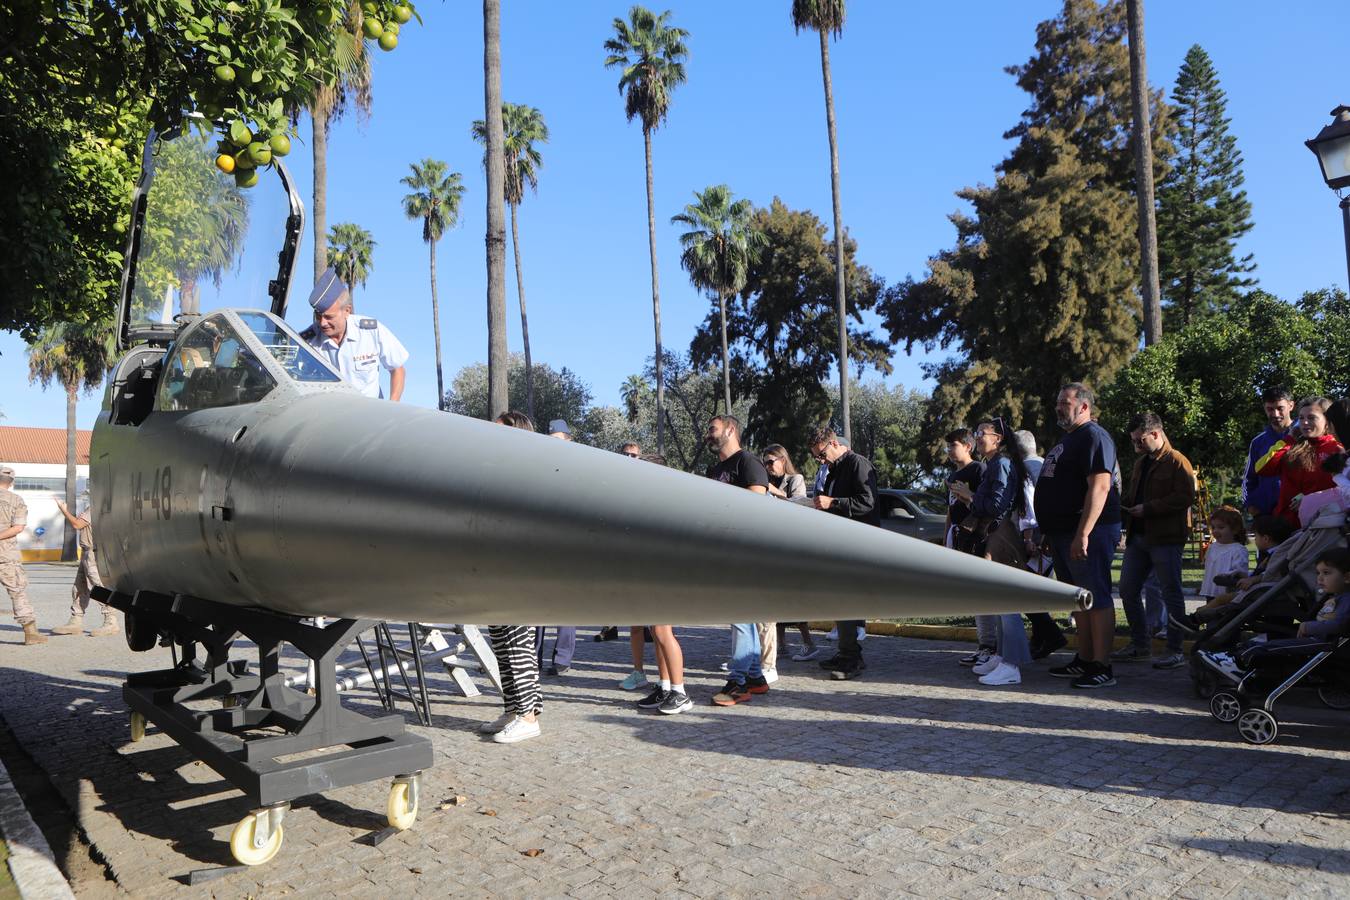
<point x="202" y="237"/>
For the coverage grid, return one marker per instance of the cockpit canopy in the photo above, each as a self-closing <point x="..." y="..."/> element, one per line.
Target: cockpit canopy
<point x="234" y="357"/>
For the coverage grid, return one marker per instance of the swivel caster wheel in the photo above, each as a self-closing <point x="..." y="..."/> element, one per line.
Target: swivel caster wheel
<point x="137" y="727"/>
<point x="1225" y="707"/>
<point x="401" y="810"/>
<point x="258" y="836"/>
<point x="1257" y="726"/>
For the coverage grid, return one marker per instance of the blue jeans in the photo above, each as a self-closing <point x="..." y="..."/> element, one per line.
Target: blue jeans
<point x="1093" y="573"/>
<point x="1155" y="613"/>
<point x="1164" y="561"/>
<point x="1012" y="640"/>
<point x="744" y="654"/>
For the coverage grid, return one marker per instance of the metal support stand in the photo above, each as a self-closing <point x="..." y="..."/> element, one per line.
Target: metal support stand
<point x="357" y="749"/>
<point x="395" y="658"/>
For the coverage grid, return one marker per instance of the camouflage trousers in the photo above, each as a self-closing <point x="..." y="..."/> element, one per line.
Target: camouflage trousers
<point x="15" y="581"/>
<point x="86" y="577"/>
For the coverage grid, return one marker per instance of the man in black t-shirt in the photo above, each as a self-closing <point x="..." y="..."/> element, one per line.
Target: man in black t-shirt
<point x="739" y="468"/>
<point x="850" y="491"/>
<point x="1078" y="508"/>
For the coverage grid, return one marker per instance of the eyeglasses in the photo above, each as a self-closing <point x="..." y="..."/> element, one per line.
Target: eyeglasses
<point x="980" y="434"/>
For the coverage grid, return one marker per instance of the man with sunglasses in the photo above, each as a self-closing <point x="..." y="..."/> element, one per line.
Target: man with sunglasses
<point x="850" y="490"/>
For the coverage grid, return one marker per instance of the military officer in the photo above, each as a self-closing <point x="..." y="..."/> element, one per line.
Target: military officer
<point x="13" y="520"/>
<point x="86" y="577"/>
<point x="356" y="346"/>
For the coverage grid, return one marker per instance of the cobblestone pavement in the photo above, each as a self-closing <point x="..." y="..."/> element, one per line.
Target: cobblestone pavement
<point x="912" y="780"/>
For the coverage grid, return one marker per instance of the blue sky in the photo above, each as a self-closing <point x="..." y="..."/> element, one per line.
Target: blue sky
<point x="922" y="102"/>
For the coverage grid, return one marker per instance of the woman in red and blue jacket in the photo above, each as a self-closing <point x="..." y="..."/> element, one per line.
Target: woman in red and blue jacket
<point x="1298" y="463"/>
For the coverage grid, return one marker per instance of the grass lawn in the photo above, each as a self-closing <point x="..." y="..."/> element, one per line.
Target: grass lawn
<point x="8" y="889"/>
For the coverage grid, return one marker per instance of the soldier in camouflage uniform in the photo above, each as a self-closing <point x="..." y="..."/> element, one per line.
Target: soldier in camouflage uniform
<point x="13" y="520"/>
<point x="86" y="578"/>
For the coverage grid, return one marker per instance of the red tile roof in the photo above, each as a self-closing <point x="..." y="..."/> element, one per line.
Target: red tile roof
<point x="40" y="445"/>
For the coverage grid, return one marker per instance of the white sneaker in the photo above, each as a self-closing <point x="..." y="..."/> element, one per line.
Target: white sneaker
<point x="1006" y="673"/>
<point x="804" y="654"/>
<point x="518" y="729"/>
<point x="832" y="634"/>
<point x="496" y="724"/>
<point x="862" y="632"/>
<point x="988" y="665"/>
<point x="770" y="676"/>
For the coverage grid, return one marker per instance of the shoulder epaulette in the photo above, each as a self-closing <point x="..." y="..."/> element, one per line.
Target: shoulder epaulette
<point x="369" y="323"/>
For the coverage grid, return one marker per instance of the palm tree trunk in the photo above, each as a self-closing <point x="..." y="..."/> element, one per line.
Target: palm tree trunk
<point x="656" y="293"/>
<point x="1143" y="173"/>
<point x="726" y="358"/>
<point x="524" y="319"/>
<point x="839" y="294"/>
<point x="498" y="360"/>
<point x="436" y="330"/>
<point x="319" y="121"/>
<point x="68" y="541"/>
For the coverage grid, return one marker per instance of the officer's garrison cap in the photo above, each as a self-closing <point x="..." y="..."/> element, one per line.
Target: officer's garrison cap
<point x="327" y="290"/>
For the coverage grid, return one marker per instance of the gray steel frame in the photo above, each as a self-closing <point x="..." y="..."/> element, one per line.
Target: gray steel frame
<point x="375" y="748"/>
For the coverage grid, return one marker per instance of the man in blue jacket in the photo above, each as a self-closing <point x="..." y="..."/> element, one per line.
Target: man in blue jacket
<point x="1261" y="493"/>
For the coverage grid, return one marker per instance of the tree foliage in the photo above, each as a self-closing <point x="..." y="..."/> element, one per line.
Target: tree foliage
<point x="559" y="393"/>
<point x="781" y="329"/>
<point x="1205" y="380"/>
<point x="1202" y="208"/>
<point x="351" y="253"/>
<point x="887" y="422"/>
<point x="1041" y="287"/>
<point x="650" y="54"/>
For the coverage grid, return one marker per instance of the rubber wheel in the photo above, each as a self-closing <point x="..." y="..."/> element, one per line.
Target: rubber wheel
<point x="229" y="701"/>
<point x="137" y="727"/>
<point x="1225" y="707"/>
<point x="1204" y="683"/>
<point x="1334" y="697"/>
<point x="141" y="636"/>
<point x="400" y="812"/>
<point x="1258" y="727"/>
<point x="241" y="843"/>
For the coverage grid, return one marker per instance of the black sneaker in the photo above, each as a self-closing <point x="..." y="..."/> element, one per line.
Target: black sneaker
<point x="555" y="671"/>
<point x="654" y="699"/>
<point x="758" y="685"/>
<point x="731" y="694"/>
<point x="1074" y="669"/>
<point x="608" y="633"/>
<point x="1099" y="677"/>
<point x="675" y="703"/>
<point x="981" y="655"/>
<point x="847" y="670"/>
<point x="1041" y="651"/>
<point x="833" y="662"/>
<point x="1186" y="624"/>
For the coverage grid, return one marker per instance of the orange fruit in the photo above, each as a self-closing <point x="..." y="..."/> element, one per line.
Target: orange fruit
<point x="225" y="163"/>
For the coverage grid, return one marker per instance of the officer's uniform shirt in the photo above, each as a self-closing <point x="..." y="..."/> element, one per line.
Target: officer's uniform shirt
<point x="13" y="511"/>
<point x="368" y="345"/>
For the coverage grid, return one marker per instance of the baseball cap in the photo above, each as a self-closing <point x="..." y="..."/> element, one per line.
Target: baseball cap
<point x="6" y="472"/>
<point x="559" y="426"/>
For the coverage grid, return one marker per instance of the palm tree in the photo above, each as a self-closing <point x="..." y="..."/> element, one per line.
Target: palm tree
<point x="522" y="127"/>
<point x="435" y="200"/>
<point x="351" y="85"/>
<point x="1143" y="170"/>
<point x="718" y="249"/>
<point x="631" y="394"/>
<point x="651" y="54"/>
<point x="75" y="356"/>
<point x="499" y="361"/>
<point x="826" y="17"/>
<point x="351" y="254"/>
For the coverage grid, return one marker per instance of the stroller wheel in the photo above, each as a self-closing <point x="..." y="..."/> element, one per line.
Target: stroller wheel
<point x="1334" y="697"/>
<point x="1225" y="707"/>
<point x="1257" y="726"/>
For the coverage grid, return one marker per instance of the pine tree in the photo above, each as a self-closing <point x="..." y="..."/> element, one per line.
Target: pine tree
<point x="1202" y="209"/>
<point x="1042" y="285"/>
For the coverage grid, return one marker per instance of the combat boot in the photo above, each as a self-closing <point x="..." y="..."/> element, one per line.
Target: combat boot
<point x="74" y="626"/>
<point x="31" y="635"/>
<point x="108" y="627"/>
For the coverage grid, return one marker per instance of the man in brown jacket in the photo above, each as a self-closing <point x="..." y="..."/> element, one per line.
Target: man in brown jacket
<point x="1157" y="513"/>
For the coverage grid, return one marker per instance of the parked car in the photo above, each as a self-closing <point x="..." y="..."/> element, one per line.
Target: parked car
<point x="915" y="514"/>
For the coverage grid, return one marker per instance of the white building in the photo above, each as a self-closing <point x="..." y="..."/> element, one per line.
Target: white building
<point x="38" y="458"/>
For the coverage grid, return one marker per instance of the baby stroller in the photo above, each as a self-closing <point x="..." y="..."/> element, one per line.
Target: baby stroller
<point x="1285" y="665"/>
<point x="1274" y="606"/>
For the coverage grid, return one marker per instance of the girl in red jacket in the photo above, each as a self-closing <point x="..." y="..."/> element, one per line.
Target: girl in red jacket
<point x="1297" y="461"/>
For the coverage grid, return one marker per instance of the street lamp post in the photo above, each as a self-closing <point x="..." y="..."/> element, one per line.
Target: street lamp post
<point x="1332" y="148"/>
